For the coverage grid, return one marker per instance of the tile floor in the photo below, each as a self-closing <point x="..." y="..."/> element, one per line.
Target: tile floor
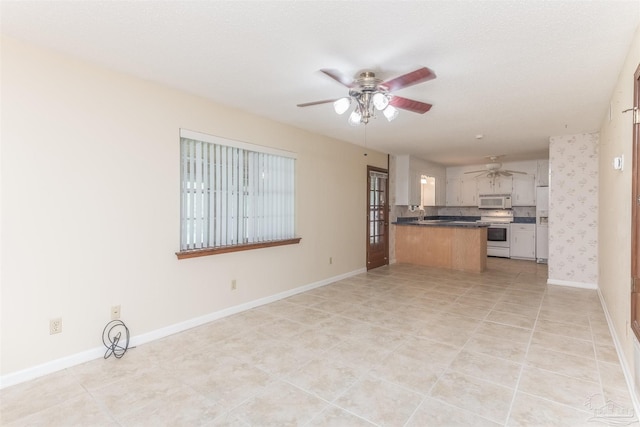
<point x="398" y="346"/>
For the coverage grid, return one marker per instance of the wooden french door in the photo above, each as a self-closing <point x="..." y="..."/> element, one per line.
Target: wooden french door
<point x="377" y="217"/>
<point x="635" y="210"/>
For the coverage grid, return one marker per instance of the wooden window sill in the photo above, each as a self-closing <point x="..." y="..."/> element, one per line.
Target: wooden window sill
<point x="236" y="248"/>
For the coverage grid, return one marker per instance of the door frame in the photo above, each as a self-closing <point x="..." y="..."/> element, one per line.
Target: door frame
<point x="635" y="209"/>
<point x="385" y="210"/>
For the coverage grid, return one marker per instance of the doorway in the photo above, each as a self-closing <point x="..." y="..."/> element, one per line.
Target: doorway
<point x="377" y="217"/>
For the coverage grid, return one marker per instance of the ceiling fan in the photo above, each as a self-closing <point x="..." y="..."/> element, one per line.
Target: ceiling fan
<point x="370" y="94"/>
<point x="493" y="169"/>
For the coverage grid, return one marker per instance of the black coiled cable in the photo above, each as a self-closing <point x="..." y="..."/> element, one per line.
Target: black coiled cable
<point x="112" y="338"/>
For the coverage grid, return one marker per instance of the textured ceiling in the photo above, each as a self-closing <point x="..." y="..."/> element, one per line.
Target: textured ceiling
<point x="517" y="72"/>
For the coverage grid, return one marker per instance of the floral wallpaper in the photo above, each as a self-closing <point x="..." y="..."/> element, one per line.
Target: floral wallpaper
<point x="573" y="210"/>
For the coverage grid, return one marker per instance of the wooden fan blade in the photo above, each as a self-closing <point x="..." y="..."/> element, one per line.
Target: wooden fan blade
<point x="410" y="104"/>
<point x="326" y="101"/>
<point x="418" y="76"/>
<point x="522" y="173"/>
<point x="475" y="171"/>
<point x="339" y="77"/>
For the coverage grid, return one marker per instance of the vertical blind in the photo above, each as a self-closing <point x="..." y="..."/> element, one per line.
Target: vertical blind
<point x="232" y="195"/>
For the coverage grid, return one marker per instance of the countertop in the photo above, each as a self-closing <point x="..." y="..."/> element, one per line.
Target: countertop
<point x="457" y="220"/>
<point x="443" y="223"/>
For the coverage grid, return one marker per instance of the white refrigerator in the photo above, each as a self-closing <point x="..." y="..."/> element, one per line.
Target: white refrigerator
<point x="542" y="224"/>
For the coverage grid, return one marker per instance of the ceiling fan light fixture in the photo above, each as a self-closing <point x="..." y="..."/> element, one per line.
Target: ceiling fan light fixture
<point x="355" y="118"/>
<point x="342" y="105"/>
<point x="390" y="112"/>
<point x="380" y="101"/>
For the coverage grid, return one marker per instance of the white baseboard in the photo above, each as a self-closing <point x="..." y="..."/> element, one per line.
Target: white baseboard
<point x="628" y="375"/>
<point x="95" y="353"/>
<point x="571" y="284"/>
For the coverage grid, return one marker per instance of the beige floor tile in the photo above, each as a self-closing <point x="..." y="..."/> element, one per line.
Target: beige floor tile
<point x="180" y="408"/>
<point x="282" y="328"/>
<point x="522" y="298"/>
<point x="129" y="394"/>
<point x="486" y="367"/>
<point x="408" y="372"/>
<point x="449" y="333"/>
<point x="564" y="344"/>
<point x="497" y="347"/>
<point x="583" y="368"/>
<point x="558" y="388"/>
<point x="510" y="319"/>
<point x="465" y="310"/>
<point x="37" y="395"/>
<point x="336" y="417"/>
<point x="435" y="413"/>
<point x="505" y="332"/>
<point x="78" y="411"/>
<point x="280" y="404"/>
<point x="358" y="354"/>
<point x="611" y="375"/>
<point x="621" y="400"/>
<point x="325" y="377"/>
<point x="432" y="353"/>
<point x="229" y="381"/>
<point x="579" y="319"/>
<point x="380" y="402"/>
<point x="606" y="353"/>
<point x="567" y="330"/>
<point x="481" y="397"/>
<point x="282" y="358"/>
<point x="521" y="310"/>
<point x="528" y="411"/>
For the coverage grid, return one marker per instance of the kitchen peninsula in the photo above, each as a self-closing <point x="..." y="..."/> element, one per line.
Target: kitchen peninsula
<point x="456" y="245"/>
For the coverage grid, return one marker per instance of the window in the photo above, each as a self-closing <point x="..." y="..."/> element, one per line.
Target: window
<point x="234" y="195"/>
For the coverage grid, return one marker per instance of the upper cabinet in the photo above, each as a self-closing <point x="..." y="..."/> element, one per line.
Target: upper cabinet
<point x="524" y="190"/>
<point x="463" y="187"/>
<point x="497" y="185"/>
<point x="543" y="173"/>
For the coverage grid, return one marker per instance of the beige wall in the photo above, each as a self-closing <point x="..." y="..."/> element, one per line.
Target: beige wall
<point x="90" y="207"/>
<point x="614" y="237"/>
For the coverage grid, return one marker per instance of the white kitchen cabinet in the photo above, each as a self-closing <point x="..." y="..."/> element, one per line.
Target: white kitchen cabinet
<point x="462" y="191"/>
<point x="524" y="190"/>
<point x="497" y="185"/>
<point x="468" y="191"/>
<point x="542" y="177"/>
<point x="523" y="241"/>
<point x="441" y="191"/>
<point x="454" y="191"/>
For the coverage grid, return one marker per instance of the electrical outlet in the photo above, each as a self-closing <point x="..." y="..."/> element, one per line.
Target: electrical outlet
<point x="55" y="326"/>
<point x="233" y="285"/>
<point x="330" y="260"/>
<point x="115" y="312"/>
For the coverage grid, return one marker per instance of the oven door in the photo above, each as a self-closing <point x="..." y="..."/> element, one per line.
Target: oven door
<point x="498" y="236"/>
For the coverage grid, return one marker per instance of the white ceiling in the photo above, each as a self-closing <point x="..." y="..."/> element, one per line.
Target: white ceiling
<point x="517" y="72"/>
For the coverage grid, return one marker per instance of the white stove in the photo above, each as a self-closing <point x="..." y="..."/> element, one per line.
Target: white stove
<point x="499" y="232"/>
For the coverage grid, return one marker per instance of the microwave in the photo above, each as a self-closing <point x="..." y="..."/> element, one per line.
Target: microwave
<point x="494" y="201"/>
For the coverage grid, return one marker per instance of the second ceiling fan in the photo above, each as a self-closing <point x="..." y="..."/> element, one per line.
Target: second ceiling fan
<point x="371" y="93"/>
<point x="494" y="169"/>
